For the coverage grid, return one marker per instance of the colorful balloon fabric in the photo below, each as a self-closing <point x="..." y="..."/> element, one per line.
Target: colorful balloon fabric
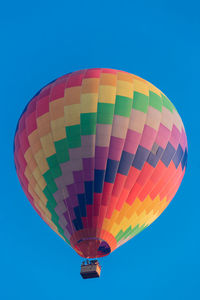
<point x="100" y="153"/>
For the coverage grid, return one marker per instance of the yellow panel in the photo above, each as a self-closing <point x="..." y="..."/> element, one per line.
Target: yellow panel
<point x="28" y="174"/>
<point x="46" y="213"/>
<point x="107" y="94"/>
<point x="141" y="87"/>
<point x="58" y="123"/>
<point x="124" y="88"/>
<point x="36" y="173"/>
<point x="123" y="212"/>
<point x="43" y="124"/>
<point x="125" y="76"/>
<point x="89" y="103"/>
<point x="33" y="137"/>
<point x="115" y="229"/>
<point x="90" y="85"/>
<point x="40" y="194"/>
<point x="56" y="108"/>
<point x="59" y="134"/>
<point x="41" y="161"/>
<point x="58" y="129"/>
<point x="35" y="147"/>
<point x="42" y="183"/>
<point x="72" y="115"/>
<point x="72" y="95"/>
<point x="48" y="145"/>
<point x="32" y="192"/>
<point x="136" y="204"/>
<point x="108" y="79"/>
<point x="32" y="164"/>
<point x="154" y="89"/>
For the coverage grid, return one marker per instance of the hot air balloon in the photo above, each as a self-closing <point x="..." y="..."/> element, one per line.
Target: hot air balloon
<point x="100" y="154"/>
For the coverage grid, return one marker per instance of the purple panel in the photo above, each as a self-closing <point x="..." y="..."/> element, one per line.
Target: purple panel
<point x="175" y="137"/>
<point x="78" y="176"/>
<point x="183" y="140"/>
<point x="88" y="163"/>
<point x="71" y="189"/>
<point x="80" y="188"/>
<point x="132" y="141"/>
<point x="148" y="137"/>
<point x="115" y="149"/>
<point x="162" y="136"/>
<point x="70" y="210"/>
<point x="101" y="155"/>
<point x="88" y="167"/>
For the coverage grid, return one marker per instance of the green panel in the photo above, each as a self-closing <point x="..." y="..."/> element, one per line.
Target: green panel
<point x="72" y="131"/>
<point x="105" y="113"/>
<point x="56" y="172"/>
<point x="51" y="200"/>
<point x="48" y="176"/>
<point x="51" y="185"/>
<point x="129" y="232"/>
<point x="123" y="106"/>
<point x="155" y="101"/>
<point x="119" y="235"/>
<point x="62" y="150"/>
<point x="73" y="136"/>
<point x="167" y="103"/>
<point x="88" y="123"/>
<point x="52" y="161"/>
<point x="75" y="142"/>
<point x="140" y="102"/>
<point x="63" y="156"/>
<point x="51" y="204"/>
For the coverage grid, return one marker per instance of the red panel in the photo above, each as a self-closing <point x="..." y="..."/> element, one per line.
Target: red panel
<point x="131" y="178"/>
<point x="31" y="123"/>
<point x="111" y="206"/>
<point x="109" y="71"/>
<point x="107" y="190"/>
<point x="93" y="73"/>
<point x="146" y="172"/>
<point x="57" y="92"/>
<point x="169" y="172"/>
<point x="24" y="143"/>
<point x="122" y="199"/>
<point x="42" y="106"/>
<point x="75" y="80"/>
<point x="133" y="194"/>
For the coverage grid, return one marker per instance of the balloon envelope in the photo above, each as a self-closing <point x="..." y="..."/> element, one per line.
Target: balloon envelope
<point x="100" y="153"/>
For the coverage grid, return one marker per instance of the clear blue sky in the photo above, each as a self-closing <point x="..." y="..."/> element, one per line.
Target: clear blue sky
<point x="157" y="40"/>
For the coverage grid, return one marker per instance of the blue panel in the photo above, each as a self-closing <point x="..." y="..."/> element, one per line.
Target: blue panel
<point x="81" y="201"/>
<point x="78" y="220"/>
<point x="178" y="156"/>
<point x="184" y="159"/>
<point x="89" y="191"/>
<point x="154" y="158"/>
<point x="99" y="176"/>
<point x="168" y="154"/>
<point x="125" y="162"/>
<point x="111" y="170"/>
<point x="140" y="157"/>
<point x="77" y="224"/>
